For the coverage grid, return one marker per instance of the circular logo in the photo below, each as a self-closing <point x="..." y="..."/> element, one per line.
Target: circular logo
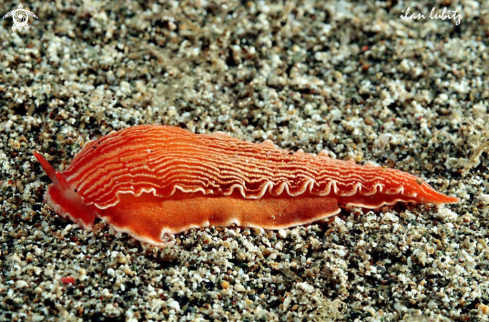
<point x="20" y="17"/>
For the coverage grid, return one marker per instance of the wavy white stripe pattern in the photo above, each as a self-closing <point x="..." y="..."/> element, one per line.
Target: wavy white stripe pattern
<point x="162" y="159"/>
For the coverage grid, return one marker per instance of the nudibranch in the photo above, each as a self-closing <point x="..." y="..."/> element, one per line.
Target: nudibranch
<point x="152" y="180"/>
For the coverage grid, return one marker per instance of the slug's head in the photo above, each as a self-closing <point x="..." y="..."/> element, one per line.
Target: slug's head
<point x="63" y="197"/>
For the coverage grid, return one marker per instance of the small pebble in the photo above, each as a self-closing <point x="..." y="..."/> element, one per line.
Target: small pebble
<point x="225" y="285"/>
<point x="239" y="288"/>
<point x="282" y="233"/>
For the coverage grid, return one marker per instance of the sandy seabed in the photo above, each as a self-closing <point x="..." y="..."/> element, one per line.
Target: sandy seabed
<point x="355" y="80"/>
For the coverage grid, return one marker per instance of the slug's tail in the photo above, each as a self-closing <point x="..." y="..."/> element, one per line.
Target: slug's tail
<point x="428" y="194"/>
<point x="62" y="196"/>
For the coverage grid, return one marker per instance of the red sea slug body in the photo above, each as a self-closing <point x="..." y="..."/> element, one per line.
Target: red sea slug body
<point x="151" y="180"/>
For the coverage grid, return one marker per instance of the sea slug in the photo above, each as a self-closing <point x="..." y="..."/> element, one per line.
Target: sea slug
<point x="152" y="180"/>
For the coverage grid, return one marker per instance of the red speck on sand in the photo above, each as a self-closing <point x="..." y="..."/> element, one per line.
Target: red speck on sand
<point x="68" y="280"/>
